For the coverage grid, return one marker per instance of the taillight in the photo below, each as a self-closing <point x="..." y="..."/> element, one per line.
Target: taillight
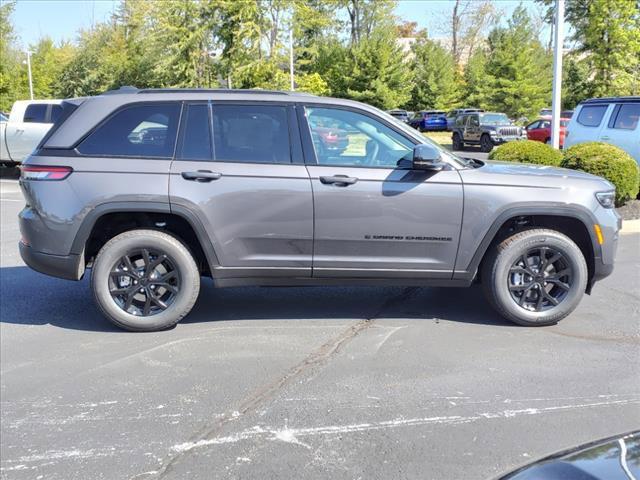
<point x="41" y="172"/>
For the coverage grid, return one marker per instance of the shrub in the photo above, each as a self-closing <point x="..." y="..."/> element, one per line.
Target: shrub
<point x="527" y="151"/>
<point x="606" y="161"/>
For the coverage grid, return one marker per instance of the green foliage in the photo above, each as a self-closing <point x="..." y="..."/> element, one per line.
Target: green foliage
<point x="606" y="161"/>
<point x="518" y="68"/>
<point x="527" y="151"/>
<point x="434" y="83"/>
<point x="312" y="83"/>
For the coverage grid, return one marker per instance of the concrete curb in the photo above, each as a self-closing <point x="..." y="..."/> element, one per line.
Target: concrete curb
<point x="630" y="226"/>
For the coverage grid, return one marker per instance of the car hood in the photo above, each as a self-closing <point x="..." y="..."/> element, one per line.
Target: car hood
<point x="529" y="175"/>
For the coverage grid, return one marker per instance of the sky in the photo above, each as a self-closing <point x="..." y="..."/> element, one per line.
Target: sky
<point x="61" y="19"/>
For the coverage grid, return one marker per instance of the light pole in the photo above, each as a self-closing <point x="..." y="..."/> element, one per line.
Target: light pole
<point x="291" y="58"/>
<point x="29" y="72"/>
<point x="557" y="74"/>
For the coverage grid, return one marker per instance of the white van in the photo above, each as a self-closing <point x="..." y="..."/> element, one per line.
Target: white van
<point x="610" y="120"/>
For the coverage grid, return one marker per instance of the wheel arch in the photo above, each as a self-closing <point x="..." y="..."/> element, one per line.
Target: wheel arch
<point x="172" y="219"/>
<point x="575" y="222"/>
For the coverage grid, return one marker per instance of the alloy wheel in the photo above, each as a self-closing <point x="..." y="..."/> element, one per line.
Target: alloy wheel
<point x="540" y="279"/>
<point x="144" y="282"/>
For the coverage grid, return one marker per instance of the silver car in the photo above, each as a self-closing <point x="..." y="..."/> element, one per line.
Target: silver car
<point x="152" y="189"/>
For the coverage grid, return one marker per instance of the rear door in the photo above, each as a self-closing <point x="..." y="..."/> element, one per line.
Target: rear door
<point x="373" y="219"/>
<point x="239" y="168"/>
<point x="623" y="128"/>
<point x="23" y="135"/>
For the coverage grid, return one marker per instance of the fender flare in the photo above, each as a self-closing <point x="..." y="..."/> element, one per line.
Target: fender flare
<point x="95" y="214"/>
<point x="576" y="212"/>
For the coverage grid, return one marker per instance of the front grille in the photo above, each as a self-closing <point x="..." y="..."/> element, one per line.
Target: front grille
<point x="509" y="131"/>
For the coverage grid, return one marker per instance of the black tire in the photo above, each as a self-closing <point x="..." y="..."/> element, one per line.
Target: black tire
<point x="497" y="276"/>
<point x="456" y="142"/>
<point x="486" y="144"/>
<point x="178" y="297"/>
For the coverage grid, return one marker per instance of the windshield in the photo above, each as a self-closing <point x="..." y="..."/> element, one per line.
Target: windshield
<point x="494" y="119"/>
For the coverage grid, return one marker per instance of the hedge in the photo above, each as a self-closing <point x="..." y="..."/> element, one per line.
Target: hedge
<point x="527" y="151"/>
<point x="606" y="161"/>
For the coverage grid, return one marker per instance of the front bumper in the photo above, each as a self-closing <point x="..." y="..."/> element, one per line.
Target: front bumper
<point x="69" y="267"/>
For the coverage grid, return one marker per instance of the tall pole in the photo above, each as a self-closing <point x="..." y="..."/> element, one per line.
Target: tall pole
<point x="557" y="74"/>
<point x="291" y="57"/>
<point x="29" y="71"/>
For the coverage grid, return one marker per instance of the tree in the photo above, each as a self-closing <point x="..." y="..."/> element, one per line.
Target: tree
<point x="373" y="71"/>
<point x="476" y="81"/>
<point x="434" y="85"/>
<point x="518" y="68"/>
<point x="13" y="75"/>
<point x="367" y="16"/>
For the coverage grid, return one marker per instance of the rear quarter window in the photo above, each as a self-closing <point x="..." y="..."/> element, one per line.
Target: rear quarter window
<point x="591" y="115"/>
<point x="627" y="117"/>
<point x="147" y="130"/>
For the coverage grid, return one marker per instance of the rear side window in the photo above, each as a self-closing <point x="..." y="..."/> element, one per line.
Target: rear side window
<point x="591" y="115"/>
<point x="461" y="120"/>
<point x="628" y="116"/>
<point x="196" y="137"/>
<point x="251" y="134"/>
<point x="36" y="113"/>
<point x="136" y="131"/>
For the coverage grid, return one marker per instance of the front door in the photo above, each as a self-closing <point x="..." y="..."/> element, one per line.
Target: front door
<point x="236" y="169"/>
<point x="372" y="218"/>
<point x="623" y="129"/>
<point x="472" y="129"/>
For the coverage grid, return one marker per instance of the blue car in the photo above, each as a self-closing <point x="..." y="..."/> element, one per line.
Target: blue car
<point x="429" y="120"/>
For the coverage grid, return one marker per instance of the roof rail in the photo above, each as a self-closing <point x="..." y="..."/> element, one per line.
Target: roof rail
<point x="211" y="90"/>
<point x="123" y="89"/>
<point x="612" y="99"/>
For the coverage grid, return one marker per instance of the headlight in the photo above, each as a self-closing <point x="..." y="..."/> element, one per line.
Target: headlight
<point x="607" y="199"/>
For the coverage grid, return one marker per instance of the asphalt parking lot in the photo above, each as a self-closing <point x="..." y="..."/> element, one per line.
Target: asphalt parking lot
<point x="371" y="383"/>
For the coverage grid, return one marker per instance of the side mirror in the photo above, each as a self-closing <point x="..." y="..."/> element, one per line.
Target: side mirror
<point x="426" y="157"/>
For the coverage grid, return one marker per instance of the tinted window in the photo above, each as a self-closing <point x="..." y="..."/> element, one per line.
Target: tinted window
<point x="251" y="133"/>
<point x="533" y="126"/>
<point x="341" y="137"/>
<point x="461" y="120"/>
<point x="591" y="115"/>
<point x="137" y="131"/>
<point x="56" y="111"/>
<point x="628" y="115"/>
<point x="474" y="121"/>
<point x="35" y="113"/>
<point x="196" y="136"/>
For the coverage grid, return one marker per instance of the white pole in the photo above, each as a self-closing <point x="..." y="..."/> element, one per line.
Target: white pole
<point x="29" y="71"/>
<point x="291" y="57"/>
<point x="557" y="74"/>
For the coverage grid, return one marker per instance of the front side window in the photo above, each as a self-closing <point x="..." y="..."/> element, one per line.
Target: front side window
<point x="136" y="131"/>
<point x="534" y="125"/>
<point x="474" y="121"/>
<point x="36" y="113"/>
<point x="461" y="120"/>
<point x="628" y="116"/>
<point x="591" y="115"/>
<point x="342" y="137"/>
<point x="251" y="134"/>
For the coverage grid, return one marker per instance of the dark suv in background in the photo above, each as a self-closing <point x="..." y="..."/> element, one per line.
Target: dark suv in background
<point x="153" y="189"/>
<point x="486" y="129"/>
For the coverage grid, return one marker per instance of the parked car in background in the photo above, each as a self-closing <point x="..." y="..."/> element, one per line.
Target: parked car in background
<point x="453" y="114"/>
<point x="614" y="120"/>
<point x="401" y="115"/>
<point x="540" y="130"/>
<point x="429" y="121"/>
<point x="547" y="112"/>
<point x="486" y="129"/>
<point x="28" y="122"/>
<point x="239" y="187"/>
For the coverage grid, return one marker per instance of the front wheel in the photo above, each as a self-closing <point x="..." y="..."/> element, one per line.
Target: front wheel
<point x="486" y="144"/>
<point x="145" y="280"/>
<point x="535" y="277"/>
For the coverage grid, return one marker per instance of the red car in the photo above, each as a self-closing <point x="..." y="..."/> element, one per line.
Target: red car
<point x="540" y="130"/>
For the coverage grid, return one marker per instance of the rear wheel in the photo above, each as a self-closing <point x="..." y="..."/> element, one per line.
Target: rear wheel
<point x="145" y="280"/>
<point x="457" y="143"/>
<point x="486" y="145"/>
<point x="535" y="278"/>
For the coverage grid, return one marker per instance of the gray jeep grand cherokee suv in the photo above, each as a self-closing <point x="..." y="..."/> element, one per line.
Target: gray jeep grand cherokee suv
<point x="153" y="189"/>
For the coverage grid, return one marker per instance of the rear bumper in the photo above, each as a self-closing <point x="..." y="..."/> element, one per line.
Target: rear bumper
<point x="62" y="266"/>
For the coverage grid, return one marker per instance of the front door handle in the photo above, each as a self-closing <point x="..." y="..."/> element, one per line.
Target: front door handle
<point x="339" y="180"/>
<point x="201" y="175"/>
<point x="605" y="137"/>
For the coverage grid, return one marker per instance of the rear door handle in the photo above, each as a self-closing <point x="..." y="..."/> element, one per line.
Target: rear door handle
<point x="339" y="180"/>
<point x="201" y="176"/>
<point x="605" y="137"/>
